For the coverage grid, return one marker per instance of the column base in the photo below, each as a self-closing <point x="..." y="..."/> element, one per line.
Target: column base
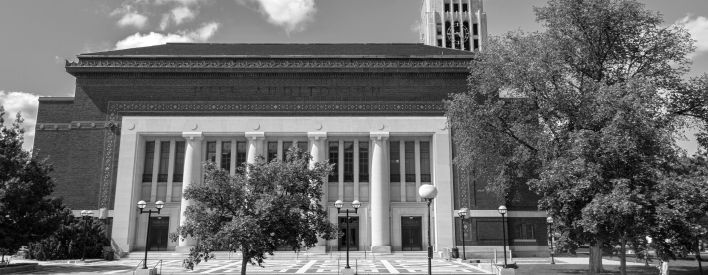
<point x="381" y="249"/>
<point x="183" y="248"/>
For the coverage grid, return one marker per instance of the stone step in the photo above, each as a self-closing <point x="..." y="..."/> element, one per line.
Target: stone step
<point x="281" y="255"/>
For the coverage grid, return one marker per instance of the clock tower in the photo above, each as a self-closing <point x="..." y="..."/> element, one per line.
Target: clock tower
<point x="455" y="24"/>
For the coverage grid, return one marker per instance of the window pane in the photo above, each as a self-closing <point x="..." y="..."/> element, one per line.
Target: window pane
<point x="286" y="146"/>
<point x="149" y="158"/>
<point x="211" y="151"/>
<point x="410" y="161"/>
<point x="363" y="162"/>
<point x="272" y="150"/>
<point x="240" y="153"/>
<point x="226" y="155"/>
<point x="164" y="161"/>
<point x="424" y="161"/>
<point x="395" y="166"/>
<point x="179" y="162"/>
<point x="349" y="161"/>
<point x="334" y="158"/>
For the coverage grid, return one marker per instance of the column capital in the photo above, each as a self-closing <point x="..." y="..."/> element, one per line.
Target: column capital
<point x="317" y="135"/>
<point x="192" y="136"/>
<point x="255" y="135"/>
<point x="379" y="135"/>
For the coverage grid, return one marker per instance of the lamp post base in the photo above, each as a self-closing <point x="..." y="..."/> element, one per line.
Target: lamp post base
<point x="347" y="271"/>
<point x="149" y="271"/>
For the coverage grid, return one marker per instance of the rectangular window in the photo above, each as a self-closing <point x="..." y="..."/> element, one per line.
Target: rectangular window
<point x="525" y="231"/>
<point x="446" y="7"/>
<point x="424" y="161"/>
<point x="455" y="7"/>
<point x="475" y="31"/>
<point x="334" y="158"/>
<point x="410" y="161"/>
<point x="285" y="148"/>
<point x="211" y="151"/>
<point x="395" y="167"/>
<point x="226" y="155"/>
<point x="272" y="150"/>
<point x="349" y="161"/>
<point x="439" y="42"/>
<point x="149" y="159"/>
<point x="240" y="153"/>
<point x="476" y="44"/>
<point x="164" y="161"/>
<point x="179" y="162"/>
<point x="464" y="7"/>
<point x="363" y="162"/>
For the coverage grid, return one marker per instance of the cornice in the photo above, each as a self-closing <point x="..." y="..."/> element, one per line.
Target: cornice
<point x="266" y="64"/>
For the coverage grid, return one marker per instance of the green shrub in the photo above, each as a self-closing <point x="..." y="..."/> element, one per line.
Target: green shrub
<point x="69" y="240"/>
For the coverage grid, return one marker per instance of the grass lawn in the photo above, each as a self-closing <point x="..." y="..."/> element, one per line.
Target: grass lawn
<point x="678" y="267"/>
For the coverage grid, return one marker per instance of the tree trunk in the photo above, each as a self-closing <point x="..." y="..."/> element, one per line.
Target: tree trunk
<point x="244" y="263"/>
<point x="698" y="257"/>
<point x="623" y="257"/>
<point x="664" y="268"/>
<point x="595" y="260"/>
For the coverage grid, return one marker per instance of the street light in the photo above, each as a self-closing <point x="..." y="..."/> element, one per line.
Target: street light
<point x="338" y="204"/>
<point x="549" y="221"/>
<point x="158" y="205"/>
<point x="428" y="193"/>
<point x="646" y="251"/>
<point x="463" y="214"/>
<point x="86" y="215"/>
<point x="502" y="211"/>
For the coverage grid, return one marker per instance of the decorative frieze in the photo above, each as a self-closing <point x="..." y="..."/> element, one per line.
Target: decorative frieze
<point x="76" y="125"/>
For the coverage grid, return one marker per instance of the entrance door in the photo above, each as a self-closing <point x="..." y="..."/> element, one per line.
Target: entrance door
<point x="353" y="233"/>
<point x="411" y="233"/>
<point x="159" y="226"/>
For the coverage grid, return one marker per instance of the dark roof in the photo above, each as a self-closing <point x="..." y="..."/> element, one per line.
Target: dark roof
<point x="220" y="49"/>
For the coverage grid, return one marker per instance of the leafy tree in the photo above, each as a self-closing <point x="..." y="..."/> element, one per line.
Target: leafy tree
<point x="580" y="113"/>
<point x="27" y="213"/>
<point x="274" y="204"/>
<point x="69" y="240"/>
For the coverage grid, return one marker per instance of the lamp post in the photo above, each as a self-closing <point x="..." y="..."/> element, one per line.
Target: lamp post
<point x="86" y="215"/>
<point x="502" y="211"/>
<point x="158" y="206"/>
<point x="549" y="221"/>
<point x="428" y="193"/>
<point x="463" y="214"/>
<point x="646" y="251"/>
<point x="338" y="204"/>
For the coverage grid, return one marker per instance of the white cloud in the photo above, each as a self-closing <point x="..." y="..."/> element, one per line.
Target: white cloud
<point x="143" y="40"/>
<point x="182" y="14"/>
<point x="292" y="15"/>
<point x="165" y="21"/>
<point x="26" y="104"/>
<point x="698" y="28"/>
<point x="133" y="19"/>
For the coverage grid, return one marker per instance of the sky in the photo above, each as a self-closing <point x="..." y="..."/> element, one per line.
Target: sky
<point x="39" y="35"/>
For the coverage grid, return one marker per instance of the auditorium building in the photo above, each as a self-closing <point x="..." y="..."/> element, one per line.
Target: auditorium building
<point x="142" y="122"/>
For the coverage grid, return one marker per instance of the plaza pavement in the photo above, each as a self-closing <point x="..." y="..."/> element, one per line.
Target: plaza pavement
<point x="311" y="265"/>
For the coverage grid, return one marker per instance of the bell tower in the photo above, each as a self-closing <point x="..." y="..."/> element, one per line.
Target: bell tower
<point x="455" y="24"/>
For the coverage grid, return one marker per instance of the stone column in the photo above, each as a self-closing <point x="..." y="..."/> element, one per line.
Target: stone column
<point x="317" y="150"/>
<point x="192" y="174"/>
<point x="255" y="140"/>
<point x="380" y="204"/>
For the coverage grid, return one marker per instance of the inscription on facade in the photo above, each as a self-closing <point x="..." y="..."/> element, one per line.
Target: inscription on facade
<point x="314" y="92"/>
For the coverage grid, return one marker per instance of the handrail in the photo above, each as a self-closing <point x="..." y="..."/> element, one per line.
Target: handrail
<point x="158" y="263"/>
<point x="138" y="265"/>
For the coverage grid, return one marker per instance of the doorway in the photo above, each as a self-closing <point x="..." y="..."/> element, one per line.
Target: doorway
<point x="353" y="233"/>
<point x="411" y="233"/>
<point x="159" y="228"/>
